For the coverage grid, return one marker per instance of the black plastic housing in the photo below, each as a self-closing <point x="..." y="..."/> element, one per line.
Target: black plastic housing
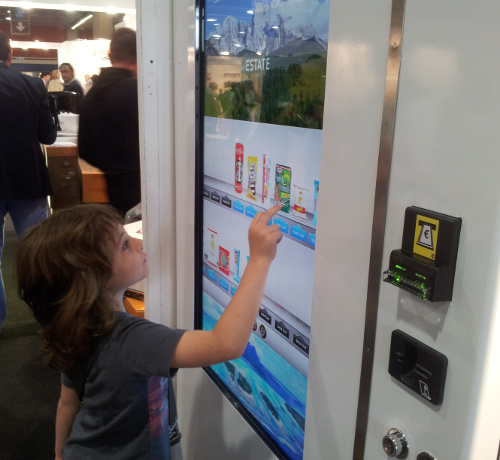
<point x="418" y="366"/>
<point x="429" y="279"/>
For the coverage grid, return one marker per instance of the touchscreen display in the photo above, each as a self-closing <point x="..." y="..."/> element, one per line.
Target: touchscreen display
<point x="263" y="73"/>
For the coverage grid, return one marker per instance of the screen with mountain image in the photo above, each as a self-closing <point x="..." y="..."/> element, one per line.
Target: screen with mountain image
<point x="264" y="66"/>
<point x="266" y="60"/>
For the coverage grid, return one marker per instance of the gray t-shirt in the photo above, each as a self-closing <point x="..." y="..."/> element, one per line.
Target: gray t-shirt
<point x="124" y="415"/>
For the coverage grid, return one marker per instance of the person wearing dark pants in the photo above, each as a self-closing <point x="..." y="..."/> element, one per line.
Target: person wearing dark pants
<point x="25" y="122"/>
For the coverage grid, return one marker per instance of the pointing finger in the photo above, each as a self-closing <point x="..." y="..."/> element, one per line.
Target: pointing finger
<point x="268" y="215"/>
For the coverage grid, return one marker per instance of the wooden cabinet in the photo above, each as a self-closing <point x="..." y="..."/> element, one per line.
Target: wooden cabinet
<point x="73" y="180"/>
<point x="94" y="188"/>
<point x="64" y="174"/>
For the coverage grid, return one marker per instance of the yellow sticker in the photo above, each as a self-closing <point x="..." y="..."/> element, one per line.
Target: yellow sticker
<point x="426" y="237"/>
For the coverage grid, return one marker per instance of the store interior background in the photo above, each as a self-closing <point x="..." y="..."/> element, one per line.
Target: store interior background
<point x="62" y="33"/>
<point x="445" y="159"/>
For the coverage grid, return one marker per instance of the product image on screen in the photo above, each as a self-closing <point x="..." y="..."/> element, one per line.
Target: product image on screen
<point x="263" y="73"/>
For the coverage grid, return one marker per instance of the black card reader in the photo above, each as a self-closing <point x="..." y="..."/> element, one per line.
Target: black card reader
<point x="425" y="264"/>
<point x="418" y="366"/>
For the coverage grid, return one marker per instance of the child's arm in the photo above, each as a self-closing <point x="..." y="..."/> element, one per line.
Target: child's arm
<point x="231" y="333"/>
<point x="67" y="408"/>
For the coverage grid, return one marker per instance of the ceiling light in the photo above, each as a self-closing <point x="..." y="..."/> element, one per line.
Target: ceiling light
<point x="57" y="5"/>
<point x="79" y="23"/>
<point x="43" y="45"/>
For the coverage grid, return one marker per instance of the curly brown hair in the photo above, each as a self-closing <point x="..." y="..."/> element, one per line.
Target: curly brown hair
<point x="63" y="268"/>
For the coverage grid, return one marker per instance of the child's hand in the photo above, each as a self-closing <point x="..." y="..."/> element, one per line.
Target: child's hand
<point x="228" y="339"/>
<point x="264" y="238"/>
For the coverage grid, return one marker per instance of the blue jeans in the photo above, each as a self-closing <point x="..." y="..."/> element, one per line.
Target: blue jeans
<point x="24" y="214"/>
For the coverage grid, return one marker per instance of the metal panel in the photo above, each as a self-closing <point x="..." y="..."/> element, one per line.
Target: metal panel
<point x="445" y="159"/>
<point x="379" y="221"/>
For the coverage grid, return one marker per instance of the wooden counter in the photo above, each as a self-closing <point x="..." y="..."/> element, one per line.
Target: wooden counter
<point x="134" y="307"/>
<point x="73" y="180"/>
<point x="94" y="188"/>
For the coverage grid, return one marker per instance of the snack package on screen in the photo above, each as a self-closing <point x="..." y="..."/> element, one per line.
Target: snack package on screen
<point x="224" y="260"/>
<point x="316" y="192"/>
<point x="213" y="249"/>
<point x="252" y="178"/>
<point x="283" y="181"/>
<point x="238" y="168"/>
<point x="237" y="265"/>
<point x="299" y="207"/>
<point x="266" y="180"/>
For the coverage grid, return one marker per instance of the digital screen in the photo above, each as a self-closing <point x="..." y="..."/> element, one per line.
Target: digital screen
<point x="262" y="80"/>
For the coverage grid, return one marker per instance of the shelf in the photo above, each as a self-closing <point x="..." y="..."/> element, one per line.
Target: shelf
<point x="267" y="315"/>
<point x="300" y="232"/>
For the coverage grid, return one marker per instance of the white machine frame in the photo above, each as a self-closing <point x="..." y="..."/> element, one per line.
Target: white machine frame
<point x="439" y="68"/>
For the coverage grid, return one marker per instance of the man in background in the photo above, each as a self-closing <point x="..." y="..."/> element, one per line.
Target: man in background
<point x="68" y="76"/>
<point x="108" y="136"/>
<point x="25" y="122"/>
<point x="45" y="76"/>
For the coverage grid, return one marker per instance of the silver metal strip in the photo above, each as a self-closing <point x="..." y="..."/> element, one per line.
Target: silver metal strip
<point x="379" y="223"/>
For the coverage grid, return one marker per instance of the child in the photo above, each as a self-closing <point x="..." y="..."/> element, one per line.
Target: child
<point x="73" y="270"/>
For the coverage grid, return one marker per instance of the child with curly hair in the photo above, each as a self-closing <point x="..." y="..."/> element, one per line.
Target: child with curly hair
<point x="73" y="270"/>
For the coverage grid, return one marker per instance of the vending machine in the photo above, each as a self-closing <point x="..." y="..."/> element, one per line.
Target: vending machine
<point x="378" y="332"/>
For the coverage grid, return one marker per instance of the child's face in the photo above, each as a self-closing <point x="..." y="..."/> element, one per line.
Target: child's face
<point x="130" y="263"/>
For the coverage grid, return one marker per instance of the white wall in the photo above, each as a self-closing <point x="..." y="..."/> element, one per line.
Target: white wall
<point x="85" y="56"/>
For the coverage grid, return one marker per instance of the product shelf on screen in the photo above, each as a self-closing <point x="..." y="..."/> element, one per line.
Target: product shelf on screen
<point x="280" y="329"/>
<point x="299" y="230"/>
